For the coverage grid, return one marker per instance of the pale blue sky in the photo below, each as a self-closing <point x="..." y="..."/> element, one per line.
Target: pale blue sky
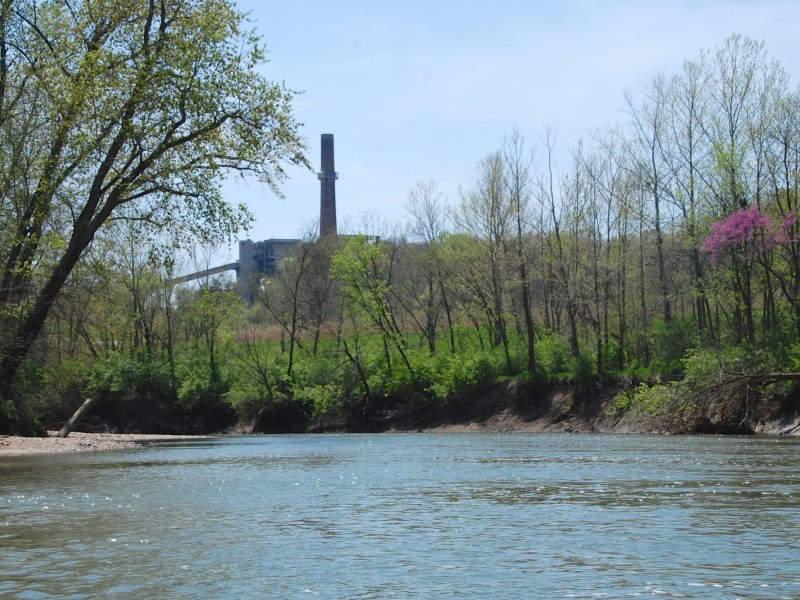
<point x="417" y="90"/>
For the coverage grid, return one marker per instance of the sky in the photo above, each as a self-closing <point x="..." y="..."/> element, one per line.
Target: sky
<point x="416" y="90"/>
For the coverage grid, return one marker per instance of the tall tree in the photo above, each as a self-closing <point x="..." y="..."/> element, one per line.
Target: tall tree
<point x="744" y="87"/>
<point x="427" y="207"/>
<point x="145" y="105"/>
<point x="485" y="214"/>
<point x="687" y="154"/>
<point x="647" y="157"/>
<point x="518" y="182"/>
<point x="562" y="267"/>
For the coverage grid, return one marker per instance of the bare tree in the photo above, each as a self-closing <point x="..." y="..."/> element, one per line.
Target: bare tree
<point x="427" y="206"/>
<point x="647" y="157"/>
<point x="485" y="213"/>
<point x="518" y="181"/>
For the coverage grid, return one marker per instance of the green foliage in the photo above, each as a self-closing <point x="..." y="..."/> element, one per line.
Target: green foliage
<point x="138" y="377"/>
<point x="16" y="419"/>
<point x="793" y="357"/>
<point x="581" y="368"/>
<point x="644" y="399"/>
<point x="780" y="343"/>
<point x="55" y="390"/>
<point x="668" y="343"/>
<point x="705" y="368"/>
<point x="249" y="393"/>
<point x="132" y="390"/>
<point x="200" y="386"/>
<point x="459" y="376"/>
<point x="704" y="365"/>
<point x="553" y="353"/>
<point x="323" y="399"/>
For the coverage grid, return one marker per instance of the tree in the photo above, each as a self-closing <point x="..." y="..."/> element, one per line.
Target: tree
<point x="608" y="173"/>
<point x="562" y="267"/>
<point x="485" y="213"/>
<point x="647" y="157"/>
<point x="687" y="156"/>
<point x="745" y="88"/>
<point x="784" y="176"/>
<point x="364" y="269"/>
<point x="144" y="105"/>
<point x="427" y="207"/>
<point x="281" y="295"/>
<point x="518" y="183"/>
<point x="210" y="314"/>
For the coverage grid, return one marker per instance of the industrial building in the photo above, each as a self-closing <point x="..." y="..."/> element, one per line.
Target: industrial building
<point x="257" y="259"/>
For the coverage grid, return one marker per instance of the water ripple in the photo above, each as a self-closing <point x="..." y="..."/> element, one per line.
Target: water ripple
<point x="507" y="516"/>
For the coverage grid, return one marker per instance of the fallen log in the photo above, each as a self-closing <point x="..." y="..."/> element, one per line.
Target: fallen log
<point x="70" y="425"/>
<point x="763" y="378"/>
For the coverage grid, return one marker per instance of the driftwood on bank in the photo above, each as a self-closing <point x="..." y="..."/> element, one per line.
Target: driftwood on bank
<point x="728" y="383"/>
<point x="735" y="402"/>
<point x="750" y="381"/>
<point x="765" y="378"/>
<point x="70" y="425"/>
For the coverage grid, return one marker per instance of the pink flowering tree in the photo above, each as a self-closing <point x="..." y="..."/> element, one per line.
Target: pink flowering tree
<point x="748" y="235"/>
<point x="742" y="236"/>
<point x="743" y="233"/>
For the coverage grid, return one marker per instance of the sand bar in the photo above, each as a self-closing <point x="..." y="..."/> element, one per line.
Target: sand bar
<point x="83" y="442"/>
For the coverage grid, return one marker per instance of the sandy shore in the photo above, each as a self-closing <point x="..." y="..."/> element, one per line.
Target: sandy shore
<point x="82" y="442"/>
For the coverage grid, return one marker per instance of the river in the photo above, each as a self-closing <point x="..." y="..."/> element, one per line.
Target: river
<point x="407" y="516"/>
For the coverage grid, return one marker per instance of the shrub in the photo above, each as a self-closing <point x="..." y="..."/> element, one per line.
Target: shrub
<point x="134" y="392"/>
<point x="669" y="342"/>
<point x="19" y="420"/>
<point x="581" y="368"/>
<point x="646" y="400"/>
<point x="552" y="353"/>
<point x="705" y="366"/>
<point x="322" y="399"/>
<point x="55" y="390"/>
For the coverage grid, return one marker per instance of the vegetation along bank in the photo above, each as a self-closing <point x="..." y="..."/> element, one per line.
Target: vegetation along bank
<point x="653" y="284"/>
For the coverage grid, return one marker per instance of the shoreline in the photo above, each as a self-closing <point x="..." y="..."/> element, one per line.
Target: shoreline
<point x="503" y="422"/>
<point x="11" y="445"/>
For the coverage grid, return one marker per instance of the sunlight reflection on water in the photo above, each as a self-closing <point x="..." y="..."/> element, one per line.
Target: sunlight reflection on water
<point x="402" y="516"/>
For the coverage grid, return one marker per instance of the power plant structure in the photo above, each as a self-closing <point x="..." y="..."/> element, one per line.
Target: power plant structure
<point x="263" y="258"/>
<point x="327" y="192"/>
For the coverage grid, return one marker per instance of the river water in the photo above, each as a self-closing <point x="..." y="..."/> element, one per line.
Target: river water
<point x="407" y="516"/>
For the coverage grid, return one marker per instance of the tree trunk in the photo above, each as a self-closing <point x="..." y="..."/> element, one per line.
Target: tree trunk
<point x="70" y="425"/>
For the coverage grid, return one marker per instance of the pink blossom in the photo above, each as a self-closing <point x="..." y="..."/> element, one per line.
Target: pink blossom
<point x="787" y="231"/>
<point x="747" y="230"/>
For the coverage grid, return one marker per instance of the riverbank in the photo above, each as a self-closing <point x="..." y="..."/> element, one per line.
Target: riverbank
<point x="528" y="406"/>
<point x="516" y="406"/>
<point x="83" y="442"/>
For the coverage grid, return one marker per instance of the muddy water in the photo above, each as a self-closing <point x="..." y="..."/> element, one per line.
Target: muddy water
<point x="407" y="516"/>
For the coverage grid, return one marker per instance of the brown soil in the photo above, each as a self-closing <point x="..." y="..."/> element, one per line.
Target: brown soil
<point x="529" y="406"/>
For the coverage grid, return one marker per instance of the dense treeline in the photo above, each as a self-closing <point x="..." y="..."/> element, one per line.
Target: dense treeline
<point x="669" y="249"/>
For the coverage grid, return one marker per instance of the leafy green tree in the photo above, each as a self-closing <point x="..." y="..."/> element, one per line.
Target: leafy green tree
<point x="209" y="324"/>
<point x="363" y="268"/>
<point x="146" y="105"/>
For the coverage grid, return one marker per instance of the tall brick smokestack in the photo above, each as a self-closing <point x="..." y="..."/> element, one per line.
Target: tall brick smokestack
<point x="327" y="194"/>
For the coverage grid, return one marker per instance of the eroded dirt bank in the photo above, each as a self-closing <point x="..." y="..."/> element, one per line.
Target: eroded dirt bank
<point x="530" y="406"/>
<point x="513" y="406"/>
